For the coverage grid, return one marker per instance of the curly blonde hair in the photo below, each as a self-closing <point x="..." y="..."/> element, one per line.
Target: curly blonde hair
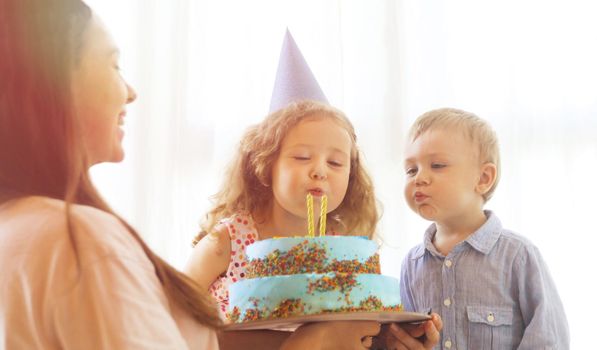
<point x="246" y="185"/>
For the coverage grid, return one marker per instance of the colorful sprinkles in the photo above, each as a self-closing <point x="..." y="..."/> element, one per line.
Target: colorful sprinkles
<point x="288" y="307"/>
<point x="343" y="282"/>
<point x="307" y="257"/>
<point x="311" y="257"/>
<point x="295" y="307"/>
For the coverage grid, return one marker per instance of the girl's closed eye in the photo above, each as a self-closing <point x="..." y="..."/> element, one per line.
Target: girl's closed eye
<point x="335" y="163"/>
<point x="301" y="157"/>
<point x="115" y="61"/>
<point x="438" y="165"/>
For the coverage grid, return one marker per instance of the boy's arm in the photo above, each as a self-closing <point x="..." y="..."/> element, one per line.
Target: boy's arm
<point x="542" y="310"/>
<point x="210" y="257"/>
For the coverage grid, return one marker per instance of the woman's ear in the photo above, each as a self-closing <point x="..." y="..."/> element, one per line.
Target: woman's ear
<point x="486" y="178"/>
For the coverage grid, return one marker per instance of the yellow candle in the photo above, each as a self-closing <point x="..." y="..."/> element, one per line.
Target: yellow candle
<point x="310" y="220"/>
<point x="323" y="215"/>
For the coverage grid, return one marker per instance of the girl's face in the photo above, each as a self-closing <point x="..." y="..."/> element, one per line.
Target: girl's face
<point x="443" y="177"/>
<point x="314" y="158"/>
<point x="100" y="95"/>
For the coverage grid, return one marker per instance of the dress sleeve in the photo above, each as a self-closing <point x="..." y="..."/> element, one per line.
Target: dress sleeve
<point x="543" y="314"/>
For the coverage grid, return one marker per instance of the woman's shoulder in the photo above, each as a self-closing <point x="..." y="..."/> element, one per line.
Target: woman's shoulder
<point x="34" y="218"/>
<point x="100" y="234"/>
<point x="51" y="210"/>
<point x="42" y="221"/>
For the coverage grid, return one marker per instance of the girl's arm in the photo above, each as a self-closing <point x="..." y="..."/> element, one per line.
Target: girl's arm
<point x="210" y="257"/>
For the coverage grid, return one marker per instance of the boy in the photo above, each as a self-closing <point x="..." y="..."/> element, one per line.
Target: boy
<point x="490" y="285"/>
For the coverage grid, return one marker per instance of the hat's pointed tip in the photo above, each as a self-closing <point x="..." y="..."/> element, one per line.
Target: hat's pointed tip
<point x="294" y="79"/>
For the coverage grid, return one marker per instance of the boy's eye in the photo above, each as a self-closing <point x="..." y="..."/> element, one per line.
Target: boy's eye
<point x="411" y="171"/>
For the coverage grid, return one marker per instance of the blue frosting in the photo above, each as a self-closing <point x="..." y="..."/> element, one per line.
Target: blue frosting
<point x="268" y="292"/>
<point x="337" y="247"/>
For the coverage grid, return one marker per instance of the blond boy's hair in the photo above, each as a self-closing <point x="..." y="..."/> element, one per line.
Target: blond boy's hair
<point x="247" y="183"/>
<point x="477" y="130"/>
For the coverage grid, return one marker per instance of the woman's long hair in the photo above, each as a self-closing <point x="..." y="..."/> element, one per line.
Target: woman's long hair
<point x="41" y="149"/>
<point x="247" y="183"/>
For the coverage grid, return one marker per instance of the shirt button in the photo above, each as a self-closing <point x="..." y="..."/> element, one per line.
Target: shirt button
<point x="448" y="263"/>
<point x="448" y="344"/>
<point x="490" y="318"/>
<point x="447" y="302"/>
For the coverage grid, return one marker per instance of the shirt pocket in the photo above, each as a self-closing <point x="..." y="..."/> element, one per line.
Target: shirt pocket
<point x="489" y="328"/>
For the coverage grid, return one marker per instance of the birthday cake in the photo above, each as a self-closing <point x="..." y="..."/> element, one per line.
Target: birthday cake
<point x="312" y="275"/>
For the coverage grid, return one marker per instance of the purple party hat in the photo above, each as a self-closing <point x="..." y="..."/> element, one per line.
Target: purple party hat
<point x="294" y="79"/>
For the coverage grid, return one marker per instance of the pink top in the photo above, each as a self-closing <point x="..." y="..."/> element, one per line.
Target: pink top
<point x="104" y="296"/>
<point x="243" y="232"/>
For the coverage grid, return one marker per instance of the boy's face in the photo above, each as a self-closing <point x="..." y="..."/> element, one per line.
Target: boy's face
<point x="442" y="176"/>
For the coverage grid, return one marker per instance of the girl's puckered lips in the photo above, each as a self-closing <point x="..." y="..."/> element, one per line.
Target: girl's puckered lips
<point x="318" y="192"/>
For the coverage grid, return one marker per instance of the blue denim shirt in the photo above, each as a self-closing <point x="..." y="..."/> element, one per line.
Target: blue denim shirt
<point x="493" y="291"/>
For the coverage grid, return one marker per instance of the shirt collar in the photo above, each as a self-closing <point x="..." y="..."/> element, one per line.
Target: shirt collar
<point x="481" y="240"/>
<point x="487" y="235"/>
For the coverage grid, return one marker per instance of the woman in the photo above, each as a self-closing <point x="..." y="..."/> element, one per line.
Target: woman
<point x="75" y="274"/>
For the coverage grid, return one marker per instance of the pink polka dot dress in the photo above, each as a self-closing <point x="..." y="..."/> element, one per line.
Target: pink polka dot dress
<point x="242" y="231"/>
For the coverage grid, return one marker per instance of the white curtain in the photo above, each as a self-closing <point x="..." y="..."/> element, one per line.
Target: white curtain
<point x="204" y="71"/>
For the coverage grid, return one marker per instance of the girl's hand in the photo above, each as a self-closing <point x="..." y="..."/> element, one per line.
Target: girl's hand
<point x="347" y="335"/>
<point x="422" y="336"/>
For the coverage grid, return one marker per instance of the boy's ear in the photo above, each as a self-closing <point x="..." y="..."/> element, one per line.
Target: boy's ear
<point x="486" y="178"/>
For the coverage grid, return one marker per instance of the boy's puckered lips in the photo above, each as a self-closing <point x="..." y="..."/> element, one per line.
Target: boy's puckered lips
<point x="420" y="196"/>
<point x="121" y="117"/>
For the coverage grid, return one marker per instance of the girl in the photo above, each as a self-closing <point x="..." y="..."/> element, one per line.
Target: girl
<point x="307" y="147"/>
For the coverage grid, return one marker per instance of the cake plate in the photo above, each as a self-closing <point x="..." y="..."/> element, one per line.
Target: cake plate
<point x="291" y="323"/>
